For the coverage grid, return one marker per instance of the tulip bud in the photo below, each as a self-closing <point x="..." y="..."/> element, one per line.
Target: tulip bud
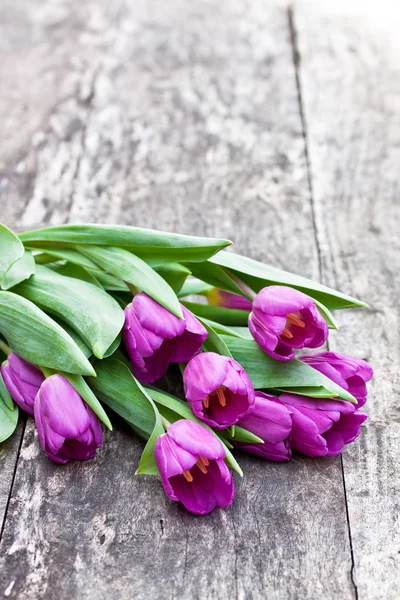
<point x="350" y="373"/>
<point x="192" y="467"/>
<point x="22" y="380"/>
<point x="218" y="389"/>
<point x="219" y="297"/>
<point x="284" y="319"/>
<point x="154" y="337"/>
<point x="272" y="422"/>
<point x="322" y="427"/>
<point x="67" y="427"/>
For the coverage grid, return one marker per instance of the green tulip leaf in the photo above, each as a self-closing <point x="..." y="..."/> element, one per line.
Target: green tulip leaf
<point x="135" y="271"/>
<point x="39" y="339"/>
<point x="116" y="387"/>
<point x="147" y="464"/>
<point x="142" y="242"/>
<point x="90" y="311"/>
<point x="8" y="419"/>
<point x="243" y="332"/>
<point x="11" y="249"/>
<point x="72" y="270"/>
<point x="216" y="276"/>
<point x="220" y="314"/>
<point x="5" y="395"/>
<point x="65" y="254"/>
<point x="74" y="257"/>
<point x="111" y="283"/>
<point x="22" y="269"/>
<point x="242" y="435"/>
<point x="174" y="274"/>
<point x="214" y="342"/>
<point x="194" y="286"/>
<point x="327" y="315"/>
<point x="294" y="376"/>
<point x="78" y="382"/>
<point x="258" y="275"/>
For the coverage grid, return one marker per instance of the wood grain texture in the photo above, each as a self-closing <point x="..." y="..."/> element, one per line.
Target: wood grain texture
<point x="351" y="94"/>
<point x="180" y="116"/>
<point x="8" y="457"/>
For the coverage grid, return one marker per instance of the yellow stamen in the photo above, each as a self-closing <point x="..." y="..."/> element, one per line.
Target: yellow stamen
<point x="206" y="402"/>
<point x="188" y="476"/>
<point x="202" y="466"/>
<point x="287" y="333"/>
<point x="294" y="320"/>
<point x="221" y="396"/>
<point x="204" y="461"/>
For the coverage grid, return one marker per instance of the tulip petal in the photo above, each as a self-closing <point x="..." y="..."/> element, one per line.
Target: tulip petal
<point x="154" y="317"/>
<point x="206" y="491"/>
<point x="279" y="452"/>
<point x="25" y="370"/>
<point x="189" y="343"/>
<point x="280" y="300"/>
<point x="67" y="427"/>
<point x="305" y="435"/>
<point x="204" y="374"/>
<point x="196" y="439"/>
<point x="350" y="373"/>
<point x="270" y="420"/>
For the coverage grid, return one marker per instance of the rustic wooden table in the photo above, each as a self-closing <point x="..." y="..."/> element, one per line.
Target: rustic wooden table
<point x="278" y="128"/>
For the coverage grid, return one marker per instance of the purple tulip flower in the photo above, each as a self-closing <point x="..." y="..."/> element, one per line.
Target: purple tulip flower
<point x="67" y="427"/>
<point x="272" y="422"/>
<point x="218" y="389"/>
<point x="284" y="319"/>
<point x="322" y="427"/>
<point x="191" y="462"/>
<point x="154" y="337"/>
<point x="219" y="297"/>
<point x="22" y="380"/>
<point x="350" y="373"/>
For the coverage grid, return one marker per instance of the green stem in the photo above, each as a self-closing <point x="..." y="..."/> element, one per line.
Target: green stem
<point x="246" y="289"/>
<point x="166" y="424"/>
<point x="4" y="348"/>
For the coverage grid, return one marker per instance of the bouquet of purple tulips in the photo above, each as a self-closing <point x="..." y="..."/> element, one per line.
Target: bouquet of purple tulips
<point x="92" y="317"/>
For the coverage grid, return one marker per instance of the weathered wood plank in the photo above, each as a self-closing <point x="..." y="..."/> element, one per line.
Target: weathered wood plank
<point x="351" y="93"/>
<point x="185" y="117"/>
<point x="8" y="459"/>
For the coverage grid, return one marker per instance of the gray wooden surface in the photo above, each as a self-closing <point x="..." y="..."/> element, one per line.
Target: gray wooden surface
<point x="276" y="127"/>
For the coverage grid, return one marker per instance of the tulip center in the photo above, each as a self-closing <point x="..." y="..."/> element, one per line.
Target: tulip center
<point x="218" y="394"/>
<point x="292" y="319"/>
<point x="202" y="463"/>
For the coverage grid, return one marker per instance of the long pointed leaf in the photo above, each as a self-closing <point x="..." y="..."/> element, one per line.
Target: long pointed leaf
<point x="257" y="275"/>
<point x="21" y="270"/>
<point x="37" y="338"/>
<point x="133" y="270"/>
<point x="5" y="396"/>
<point x="11" y="249"/>
<point x="143" y="242"/>
<point x="225" y="316"/>
<point x="8" y="420"/>
<point x="90" y="311"/>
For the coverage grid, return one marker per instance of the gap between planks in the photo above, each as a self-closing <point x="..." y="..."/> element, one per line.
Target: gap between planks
<point x="296" y="56"/>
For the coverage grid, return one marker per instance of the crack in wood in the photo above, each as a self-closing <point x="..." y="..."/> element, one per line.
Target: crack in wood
<point x="3" y="524"/>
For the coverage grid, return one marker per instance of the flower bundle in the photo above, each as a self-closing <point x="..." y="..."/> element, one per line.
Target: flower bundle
<point x="92" y="317"/>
